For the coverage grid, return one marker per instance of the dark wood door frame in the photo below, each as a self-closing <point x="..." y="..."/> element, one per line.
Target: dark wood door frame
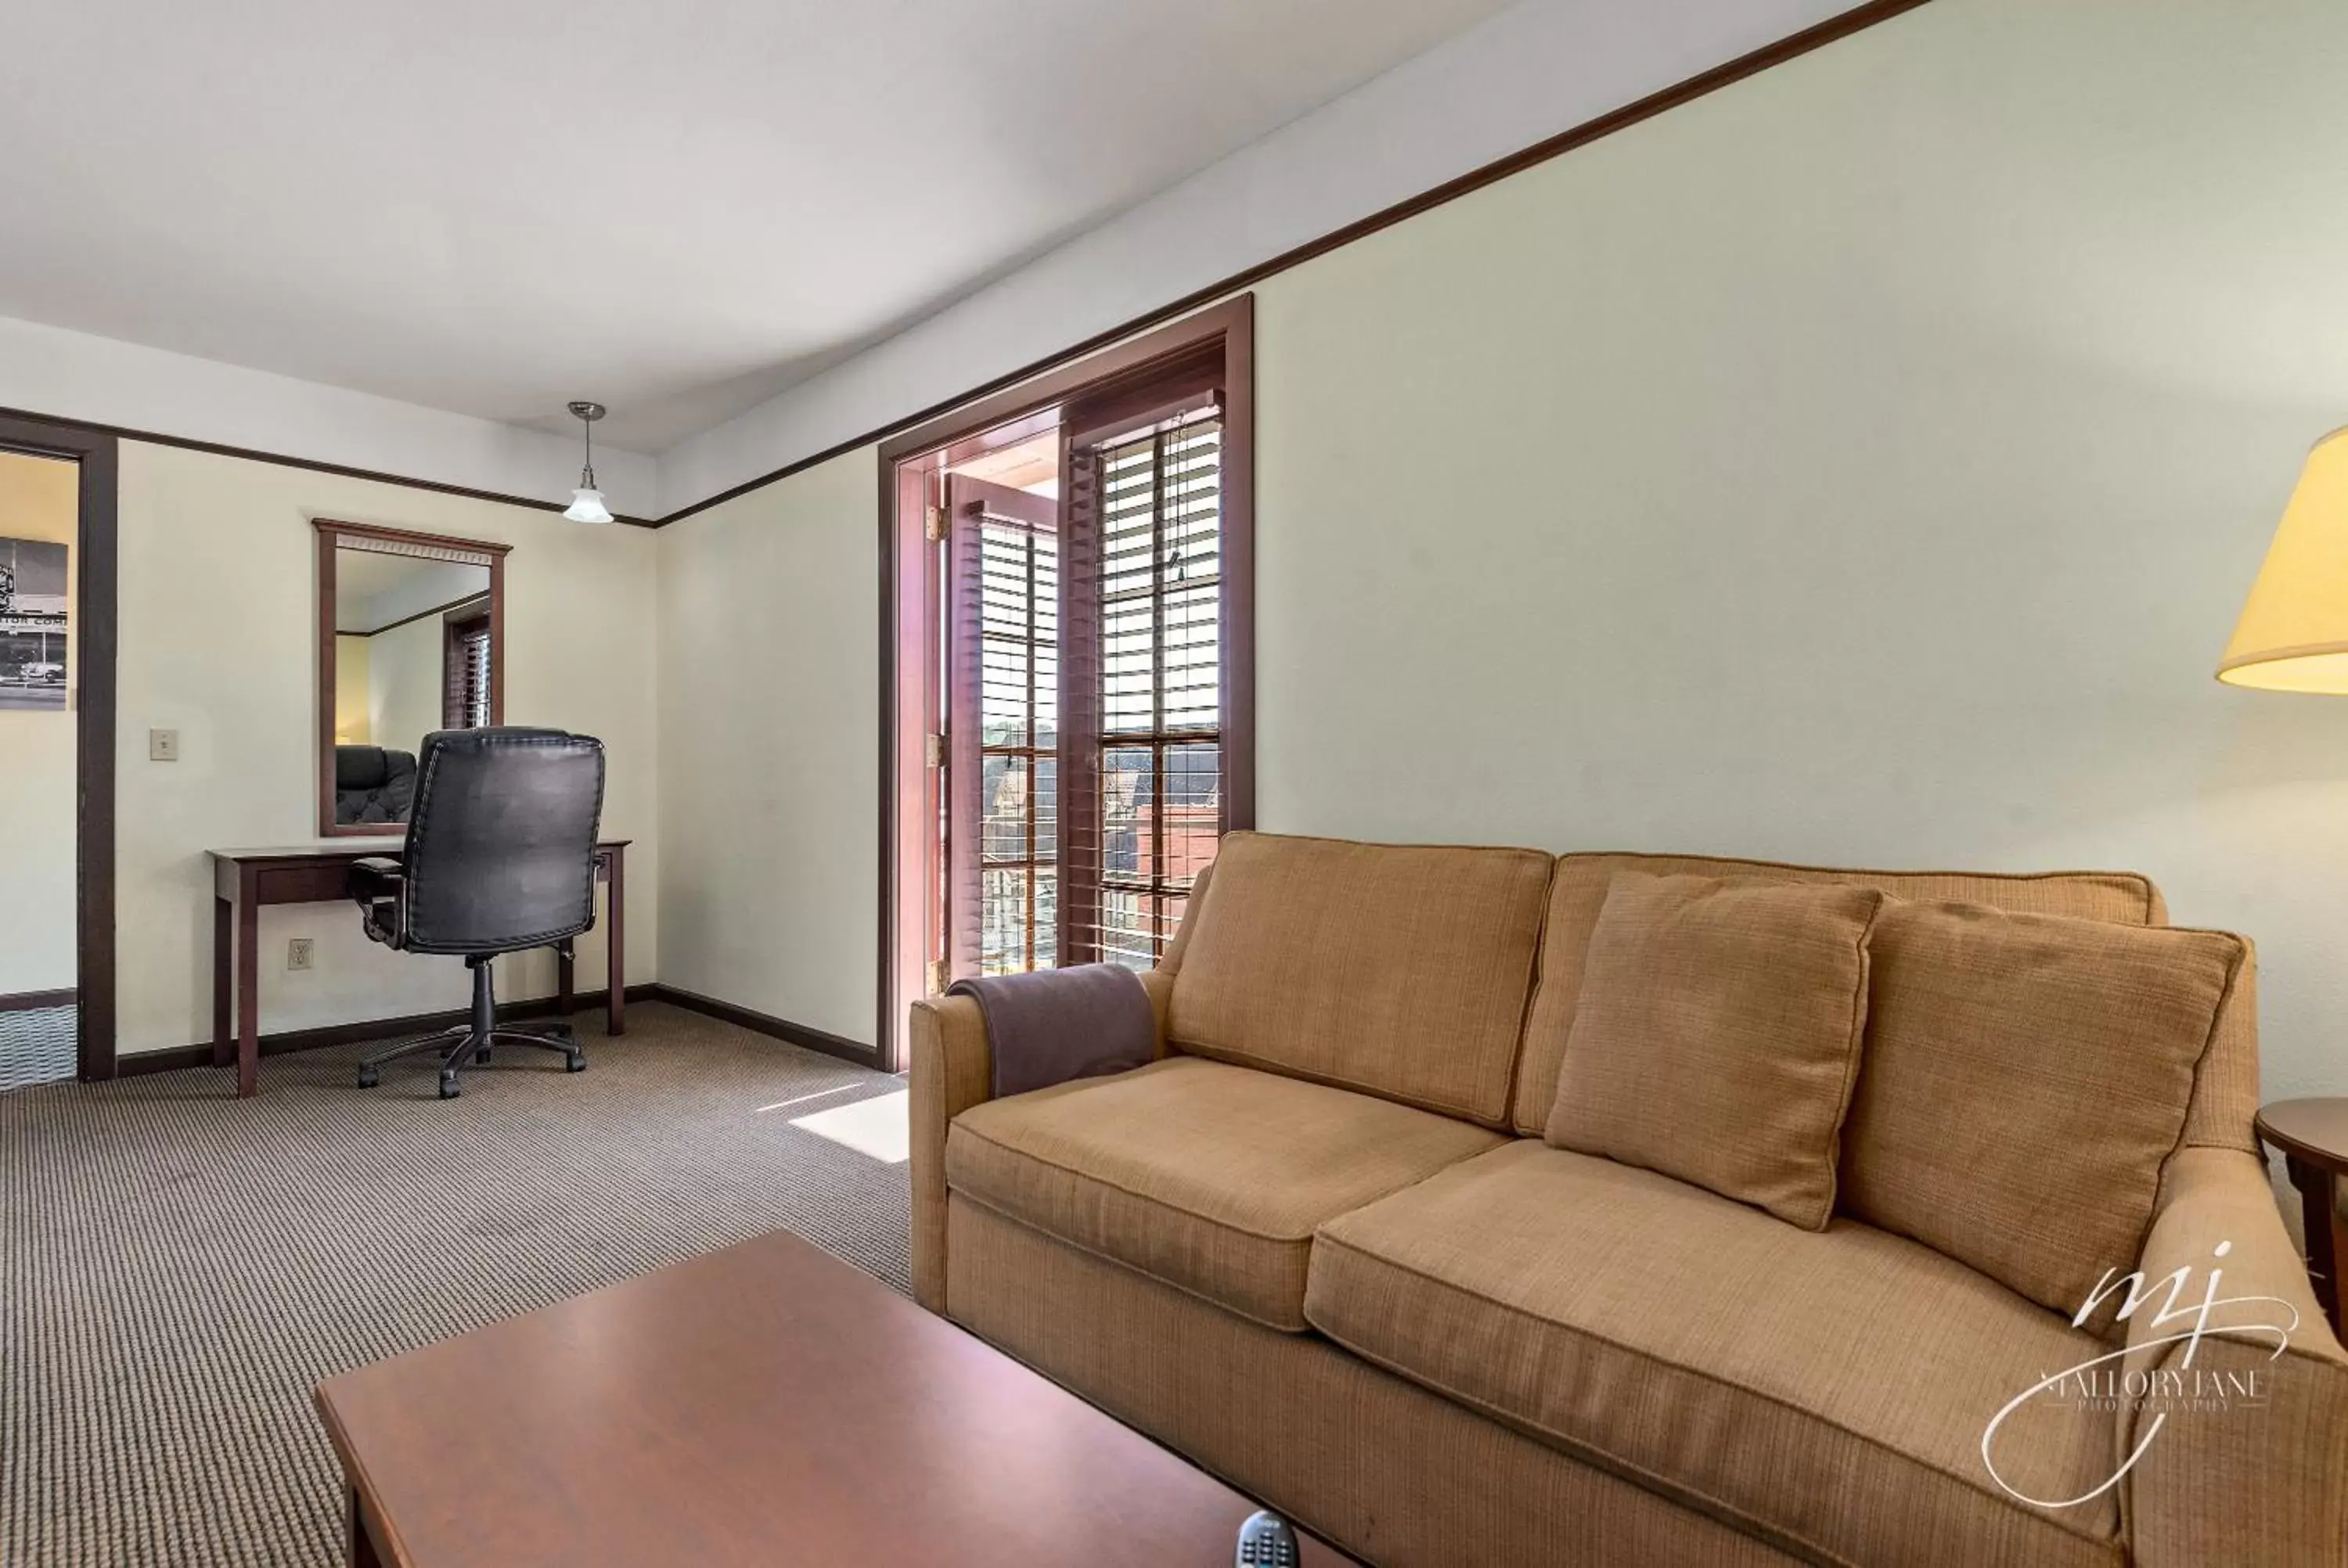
<point x="95" y="642"/>
<point x="1228" y="327"/>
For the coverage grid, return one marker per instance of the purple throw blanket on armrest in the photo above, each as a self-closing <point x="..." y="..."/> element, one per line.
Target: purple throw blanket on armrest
<point x="1048" y="1027"/>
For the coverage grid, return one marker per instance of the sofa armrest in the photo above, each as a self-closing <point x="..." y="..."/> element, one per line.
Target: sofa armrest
<point x="952" y="1070"/>
<point x="2265" y="1478"/>
<point x="1160" y="984"/>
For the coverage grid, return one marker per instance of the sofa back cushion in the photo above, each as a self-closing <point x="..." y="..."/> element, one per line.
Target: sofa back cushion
<point x="2027" y="1078"/>
<point x="1578" y="892"/>
<point x="1400" y="970"/>
<point x="1719" y="1035"/>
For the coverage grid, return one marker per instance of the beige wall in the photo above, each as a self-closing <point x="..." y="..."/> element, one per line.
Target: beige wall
<point x="352" y="688"/>
<point x="769" y="816"/>
<point x="407" y="683"/>
<point x="219" y="640"/>
<point x="39" y="500"/>
<point x="1862" y="465"/>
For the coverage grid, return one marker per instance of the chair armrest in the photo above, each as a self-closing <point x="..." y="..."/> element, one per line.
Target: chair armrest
<point x="950" y="1069"/>
<point x="376" y="877"/>
<point x="2265" y="1479"/>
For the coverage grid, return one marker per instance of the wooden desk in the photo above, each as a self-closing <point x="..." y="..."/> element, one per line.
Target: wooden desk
<point x="319" y="873"/>
<point x="760" y="1406"/>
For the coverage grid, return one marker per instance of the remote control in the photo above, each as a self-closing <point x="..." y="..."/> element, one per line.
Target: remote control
<point x="1267" y="1542"/>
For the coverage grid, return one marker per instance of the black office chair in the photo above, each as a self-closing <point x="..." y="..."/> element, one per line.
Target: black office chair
<point x="372" y="784"/>
<point x="501" y="857"/>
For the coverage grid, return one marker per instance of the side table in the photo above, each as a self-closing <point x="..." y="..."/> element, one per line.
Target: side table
<point x="2313" y="1137"/>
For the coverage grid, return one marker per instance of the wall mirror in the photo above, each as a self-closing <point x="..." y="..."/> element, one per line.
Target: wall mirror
<point x="411" y="639"/>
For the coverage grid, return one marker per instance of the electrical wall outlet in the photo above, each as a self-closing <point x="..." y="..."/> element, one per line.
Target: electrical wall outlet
<point x="298" y="951"/>
<point x="162" y="745"/>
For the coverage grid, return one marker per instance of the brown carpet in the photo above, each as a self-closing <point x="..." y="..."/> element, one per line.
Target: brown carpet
<point x="179" y="1269"/>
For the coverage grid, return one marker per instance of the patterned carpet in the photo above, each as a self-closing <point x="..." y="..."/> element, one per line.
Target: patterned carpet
<point x="178" y="1268"/>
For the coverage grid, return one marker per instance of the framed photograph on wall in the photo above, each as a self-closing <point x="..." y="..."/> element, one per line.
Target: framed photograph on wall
<point x="32" y="623"/>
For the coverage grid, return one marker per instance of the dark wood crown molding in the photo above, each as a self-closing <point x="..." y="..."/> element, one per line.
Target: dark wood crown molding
<point x="1787" y="48"/>
<point x="1790" y="47"/>
<point x="283" y="460"/>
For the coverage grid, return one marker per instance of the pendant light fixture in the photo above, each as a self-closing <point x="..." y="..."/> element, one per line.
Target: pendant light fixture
<point x="587" y="502"/>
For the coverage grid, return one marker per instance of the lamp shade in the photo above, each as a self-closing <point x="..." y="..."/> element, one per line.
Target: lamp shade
<point x="2293" y="632"/>
<point x="587" y="506"/>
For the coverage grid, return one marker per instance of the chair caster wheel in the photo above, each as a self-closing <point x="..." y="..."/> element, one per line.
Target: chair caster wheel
<point x="448" y="1090"/>
<point x="575" y="1063"/>
<point x="369" y="1078"/>
<point x="482" y="1054"/>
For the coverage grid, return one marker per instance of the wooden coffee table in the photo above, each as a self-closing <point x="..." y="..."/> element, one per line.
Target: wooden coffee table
<point x="767" y="1404"/>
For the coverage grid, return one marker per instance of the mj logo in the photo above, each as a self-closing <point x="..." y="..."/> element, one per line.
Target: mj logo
<point x="2161" y="1391"/>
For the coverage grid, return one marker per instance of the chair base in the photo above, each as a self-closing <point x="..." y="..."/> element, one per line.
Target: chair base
<point x="473" y="1038"/>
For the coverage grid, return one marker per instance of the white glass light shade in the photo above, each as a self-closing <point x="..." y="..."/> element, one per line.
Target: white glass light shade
<point x="587" y="506"/>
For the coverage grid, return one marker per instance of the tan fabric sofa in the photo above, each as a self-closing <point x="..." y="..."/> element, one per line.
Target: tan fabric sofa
<point x="1320" y="1246"/>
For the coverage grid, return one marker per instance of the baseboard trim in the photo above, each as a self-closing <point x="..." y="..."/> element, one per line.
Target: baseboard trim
<point x="29" y="1002"/>
<point x="140" y="1063"/>
<point x="767" y="1024"/>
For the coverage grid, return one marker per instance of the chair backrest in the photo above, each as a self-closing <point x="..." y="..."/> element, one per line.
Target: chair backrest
<point x="372" y="784"/>
<point x="501" y="849"/>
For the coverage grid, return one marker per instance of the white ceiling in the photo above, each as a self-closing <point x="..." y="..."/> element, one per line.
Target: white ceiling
<point x="678" y="209"/>
<point x="373" y="590"/>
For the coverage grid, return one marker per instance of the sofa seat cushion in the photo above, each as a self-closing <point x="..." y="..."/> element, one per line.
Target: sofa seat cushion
<point x="1201" y="1174"/>
<point x="1826" y="1390"/>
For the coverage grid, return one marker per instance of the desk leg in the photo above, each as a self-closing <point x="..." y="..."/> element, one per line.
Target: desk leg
<point x="248" y="987"/>
<point x="615" y="912"/>
<point x="361" y="1553"/>
<point x="223" y="981"/>
<point x="2326" y="1244"/>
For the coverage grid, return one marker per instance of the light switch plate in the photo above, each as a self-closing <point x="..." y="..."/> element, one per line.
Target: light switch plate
<point x="298" y="952"/>
<point x="162" y="745"/>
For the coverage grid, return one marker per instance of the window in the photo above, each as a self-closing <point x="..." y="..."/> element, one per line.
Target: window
<point x="1070" y="635"/>
<point x="1152" y="712"/>
<point x="465" y="670"/>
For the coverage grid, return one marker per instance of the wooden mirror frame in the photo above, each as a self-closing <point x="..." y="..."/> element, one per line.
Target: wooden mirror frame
<point x="332" y="536"/>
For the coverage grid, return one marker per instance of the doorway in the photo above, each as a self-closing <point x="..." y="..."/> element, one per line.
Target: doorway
<point x="40" y="528"/>
<point x="1068" y="656"/>
<point x="57" y="751"/>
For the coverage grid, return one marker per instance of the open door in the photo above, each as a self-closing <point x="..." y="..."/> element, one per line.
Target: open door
<point x="57" y="731"/>
<point x="1002" y="727"/>
<point x="1068" y="657"/>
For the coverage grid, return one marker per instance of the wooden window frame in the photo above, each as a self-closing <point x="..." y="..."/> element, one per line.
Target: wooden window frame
<point x="908" y="642"/>
<point x="460" y="626"/>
